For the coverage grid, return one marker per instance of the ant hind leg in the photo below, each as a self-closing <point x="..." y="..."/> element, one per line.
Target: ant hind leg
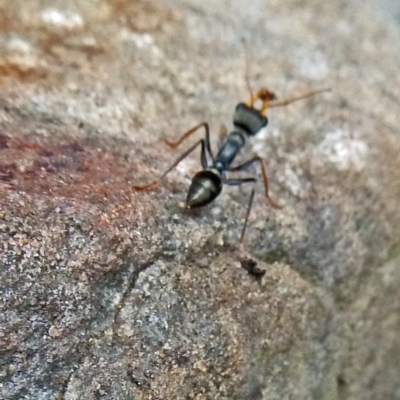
<point x="243" y="166"/>
<point x="237" y="182"/>
<point x="223" y="133"/>
<point x="205" y="146"/>
<point x="189" y="133"/>
<point x="177" y="161"/>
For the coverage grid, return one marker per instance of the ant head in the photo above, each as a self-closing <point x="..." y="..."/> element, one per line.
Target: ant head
<point x="205" y="187"/>
<point x="266" y="95"/>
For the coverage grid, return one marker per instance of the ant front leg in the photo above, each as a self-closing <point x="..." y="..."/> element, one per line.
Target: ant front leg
<point x="202" y="142"/>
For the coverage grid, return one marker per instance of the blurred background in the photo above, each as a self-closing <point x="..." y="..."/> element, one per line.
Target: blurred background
<point x="390" y="8"/>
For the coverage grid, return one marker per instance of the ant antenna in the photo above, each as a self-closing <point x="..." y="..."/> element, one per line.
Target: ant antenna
<point x="294" y="99"/>
<point x="247" y="66"/>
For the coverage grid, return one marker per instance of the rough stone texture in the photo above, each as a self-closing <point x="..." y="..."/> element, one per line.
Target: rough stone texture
<point x="107" y="293"/>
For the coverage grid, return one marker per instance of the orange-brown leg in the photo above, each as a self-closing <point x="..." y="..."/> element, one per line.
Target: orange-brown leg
<point x="241" y="167"/>
<point x="186" y="135"/>
<point x="272" y="202"/>
<point x="205" y="143"/>
<point x="189" y="133"/>
<point x="240" y="181"/>
<point x="177" y="161"/>
<point x="222" y="134"/>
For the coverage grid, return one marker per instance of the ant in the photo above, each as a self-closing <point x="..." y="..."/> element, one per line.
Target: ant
<point x="248" y="121"/>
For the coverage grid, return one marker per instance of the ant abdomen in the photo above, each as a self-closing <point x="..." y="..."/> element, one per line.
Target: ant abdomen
<point x="205" y="187"/>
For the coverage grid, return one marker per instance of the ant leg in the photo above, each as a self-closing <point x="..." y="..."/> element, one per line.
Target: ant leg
<point x="178" y="160"/>
<point x="189" y="133"/>
<point x="223" y="132"/>
<point x="237" y="182"/>
<point x="294" y="99"/>
<point x="243" y="166"/>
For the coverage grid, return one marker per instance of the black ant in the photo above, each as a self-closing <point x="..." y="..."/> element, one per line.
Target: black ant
<point x="247" y="122"/>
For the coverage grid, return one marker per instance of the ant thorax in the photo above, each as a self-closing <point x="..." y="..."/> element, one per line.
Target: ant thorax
<point x="218" y="166"/>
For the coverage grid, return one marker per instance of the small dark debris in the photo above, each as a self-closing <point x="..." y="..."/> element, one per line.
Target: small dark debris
<point x="251" y="267"/>
<point x="341" y="382"/>
<point x="343" y="103"/>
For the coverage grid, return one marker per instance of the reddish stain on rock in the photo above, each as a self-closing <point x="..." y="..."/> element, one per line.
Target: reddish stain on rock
<point x="3" y="141"/>
<point x="64" y="167"/>
<point x="7" y="172"/>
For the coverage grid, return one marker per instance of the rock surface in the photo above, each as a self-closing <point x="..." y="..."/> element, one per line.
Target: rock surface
<point x="108" y="293"/>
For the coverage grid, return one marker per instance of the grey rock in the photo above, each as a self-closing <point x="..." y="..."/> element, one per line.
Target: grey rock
<point x="108" y="293"/>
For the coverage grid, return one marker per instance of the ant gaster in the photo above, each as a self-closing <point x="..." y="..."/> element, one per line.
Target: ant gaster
<point x="247" y="122"/>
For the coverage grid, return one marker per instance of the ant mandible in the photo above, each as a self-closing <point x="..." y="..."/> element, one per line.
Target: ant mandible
<point x="248" y="121"/>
